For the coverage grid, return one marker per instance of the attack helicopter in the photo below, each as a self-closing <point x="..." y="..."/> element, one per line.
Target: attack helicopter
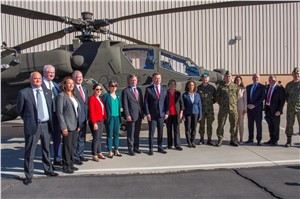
<point x="99" y="61"/>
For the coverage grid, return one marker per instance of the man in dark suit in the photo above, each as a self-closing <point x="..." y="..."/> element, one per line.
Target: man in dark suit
<point x="48" y="83"/>
<point x="255" y="98"/>
<point x="82" y="96"/>
<point x="34" y="105"/>
<point x="275" y="98"/>
<point x="157" y="110"/>
<point x="132" y="103"/>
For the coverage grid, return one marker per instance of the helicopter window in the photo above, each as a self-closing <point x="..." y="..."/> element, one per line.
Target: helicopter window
<point x="178" y="64"/>
<point x="140" y="58"/>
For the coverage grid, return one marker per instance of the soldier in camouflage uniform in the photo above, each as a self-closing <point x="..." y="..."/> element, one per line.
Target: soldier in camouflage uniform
<point x="208" y="98"/>
<point x="292" y="90"/>
<point x="227" y="96"/>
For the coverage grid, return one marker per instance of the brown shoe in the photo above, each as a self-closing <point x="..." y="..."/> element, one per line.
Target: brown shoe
<point x="101" y="156"/>
<point x="95" y="158"/>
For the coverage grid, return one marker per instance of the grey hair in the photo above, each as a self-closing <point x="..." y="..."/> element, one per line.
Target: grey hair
<point x="47" y="67"/>
<point x="75" y="72"/>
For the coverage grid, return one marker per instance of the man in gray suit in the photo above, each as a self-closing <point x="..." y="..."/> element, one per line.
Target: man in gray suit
<point x="83" y="98"/>
<point x="132" y="103"/>
<point x="34" y="105"/>
<point x="157" y="110"/>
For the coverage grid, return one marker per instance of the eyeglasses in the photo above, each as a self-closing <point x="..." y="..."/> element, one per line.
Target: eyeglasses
<point x="98" y="89"/>
<point x="113" y="86"/>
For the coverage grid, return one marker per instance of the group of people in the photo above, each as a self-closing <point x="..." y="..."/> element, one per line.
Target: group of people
<point x="62" y="113"/>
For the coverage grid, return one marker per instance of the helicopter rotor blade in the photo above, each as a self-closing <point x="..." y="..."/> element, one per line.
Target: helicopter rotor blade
<point x="39" y="40"/>
<point x="126" y="37"/>
<point x="227" y="4"/>
<point x="31" y="14"/>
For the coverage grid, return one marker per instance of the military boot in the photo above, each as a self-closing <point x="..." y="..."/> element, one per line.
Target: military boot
<point x="209" y="142"/>
<point x="289" y="142"/>
<point x="201" y="141"/>
<point x="220" y="142"/>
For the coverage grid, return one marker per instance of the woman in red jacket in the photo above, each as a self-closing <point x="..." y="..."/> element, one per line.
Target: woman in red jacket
<point x="97" y="115"/>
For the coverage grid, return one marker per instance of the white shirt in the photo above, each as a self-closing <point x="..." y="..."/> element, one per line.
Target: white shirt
<point x="75" y="103"/>
<point x="45" y="108"/>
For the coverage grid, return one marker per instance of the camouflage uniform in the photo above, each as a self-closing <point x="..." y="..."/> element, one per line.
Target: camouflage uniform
<point x="208" y="98"/>
<point x="227" y="96"/>
<point x="292" y="90"/>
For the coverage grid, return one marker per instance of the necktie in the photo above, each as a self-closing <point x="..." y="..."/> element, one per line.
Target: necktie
<point x="52" y="90"/>
<point x="136" y="94"/>
<point x="40" y="106"/>
<point x="157" y="92"/>
<point x="269" y="96"/>
<point x="253" y="89"/>
<point x="81" y="93"/>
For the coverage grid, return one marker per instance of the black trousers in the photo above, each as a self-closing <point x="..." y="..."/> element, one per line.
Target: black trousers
<point x="173" y="131"/>
<point x="254" y="116"/>
<point x="273" y="125"/>
<point x="190" y="124"/>
<point x="69" y="145"/>
<point x="133" y="134"/>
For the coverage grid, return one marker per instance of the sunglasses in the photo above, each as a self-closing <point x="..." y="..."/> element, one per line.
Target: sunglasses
<point x="113" y="86"/>
<point x="98" y="89"/>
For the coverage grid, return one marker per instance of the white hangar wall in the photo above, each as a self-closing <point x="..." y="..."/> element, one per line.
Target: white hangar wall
<point x="269" y="35"/>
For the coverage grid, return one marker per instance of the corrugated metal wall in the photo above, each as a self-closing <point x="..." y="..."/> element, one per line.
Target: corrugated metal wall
<point x="269" y="34"/>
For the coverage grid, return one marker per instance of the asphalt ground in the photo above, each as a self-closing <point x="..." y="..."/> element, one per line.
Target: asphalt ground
<point x="247" y="171"/>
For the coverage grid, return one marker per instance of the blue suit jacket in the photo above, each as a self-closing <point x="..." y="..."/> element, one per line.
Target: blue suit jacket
<point x="258" y="96"/>
<point x="27" y="109"/>
<point x="192" y="108"/>
<point x="56" y="88"/>
<point x="157" y="108"/>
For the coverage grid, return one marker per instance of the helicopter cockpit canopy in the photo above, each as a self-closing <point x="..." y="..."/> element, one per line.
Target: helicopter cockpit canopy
<point x="143" y="58"/>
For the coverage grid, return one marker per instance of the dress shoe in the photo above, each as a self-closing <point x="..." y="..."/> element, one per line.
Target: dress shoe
<point x="249" y="141"/>
<point x="58" y="163"/>
<point x="137" y="151"/>
<point x="274" y="144"/>
<point x="95" y="158"/>
<point x="78" y="162"/>
<point x="68" y="171"/>
<point x="150" y="152"/>
<point x="234" y="143"/>
<point x="117" y="153"/>
<point x="52" y="174"/>
<point x="27" y="181"/>
<point x="179" y="148"/>
<point x="189" y="145"/>
<point x="131" y="153"/>
<point x="258" y="143"/>
<point x="74" y="168"/>
<point x="193" y="145"/>
<point x="83" y="159"/>
<point x="220" y="142"/>
<point x="101" y="156"/>
<point x="169" y="147"/>
<point x="268" y="142"/>
<point x="162" y="151"/>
